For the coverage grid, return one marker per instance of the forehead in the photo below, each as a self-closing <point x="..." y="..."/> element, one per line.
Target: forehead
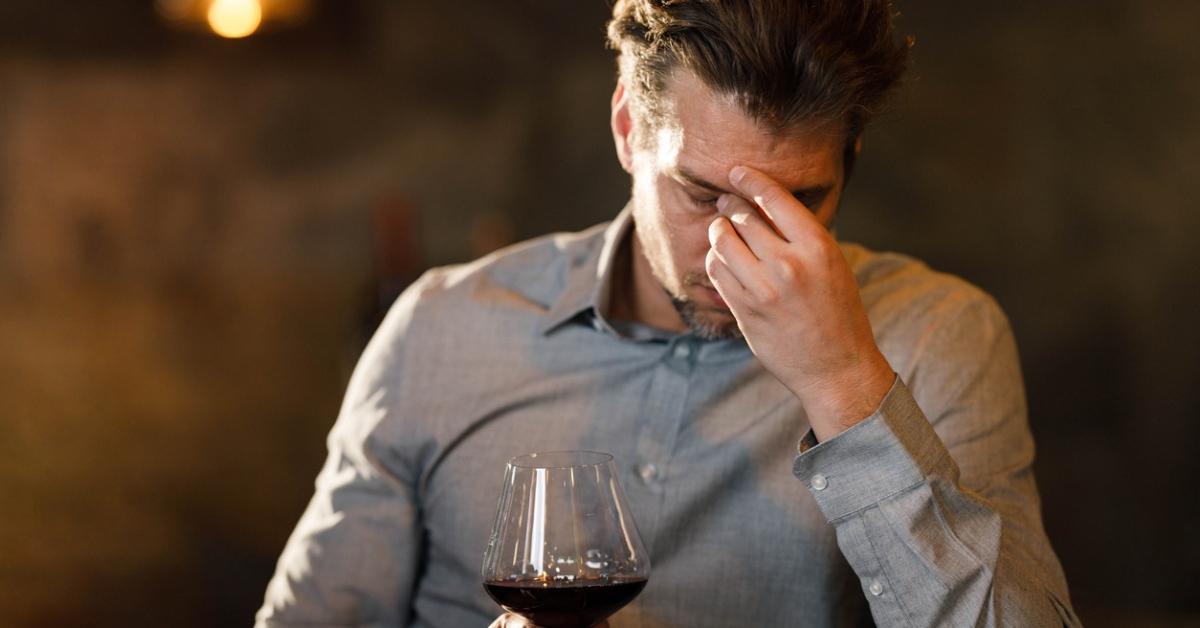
<point x="708" y="133"/>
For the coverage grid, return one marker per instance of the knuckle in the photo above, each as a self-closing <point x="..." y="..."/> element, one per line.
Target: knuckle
<point x="770" y="295"/>
<point x="763" y="295"/>
<point x="826" y="248"/>
<point x="770" y="196"/>
<point x="784" y="270"/>
<point x="787" y="268"/>
<point x="764" y="199"/>
<point x="819" y="246"/>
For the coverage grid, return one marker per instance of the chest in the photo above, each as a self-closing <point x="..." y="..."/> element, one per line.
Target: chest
<point x="705" y="454"/>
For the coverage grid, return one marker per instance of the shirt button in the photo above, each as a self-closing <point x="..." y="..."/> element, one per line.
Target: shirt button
<point x="648" y="473"/>
<point x="875" y="588"/>
<point x="819" y="482"/>
<point x="683" y="350"/>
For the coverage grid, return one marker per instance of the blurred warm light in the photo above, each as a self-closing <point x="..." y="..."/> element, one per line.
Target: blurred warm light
<point x="174" y="10"/>
<point x="234" y="18"/>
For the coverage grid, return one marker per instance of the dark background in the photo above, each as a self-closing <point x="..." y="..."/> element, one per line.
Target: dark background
<point x="194" y="232"/>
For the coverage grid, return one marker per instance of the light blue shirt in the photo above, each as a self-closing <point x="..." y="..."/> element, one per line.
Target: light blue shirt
<point x="925" y="514"/>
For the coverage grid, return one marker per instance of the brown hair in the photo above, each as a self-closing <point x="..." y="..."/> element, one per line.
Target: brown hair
<point x="787" y="62"/>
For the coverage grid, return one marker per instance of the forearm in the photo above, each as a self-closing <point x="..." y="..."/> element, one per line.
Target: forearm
<point x="929" y="551"/>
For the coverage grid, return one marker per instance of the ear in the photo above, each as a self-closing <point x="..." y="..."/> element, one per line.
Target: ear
<point x="850" y="157"/>
<point x="622" y="126"/>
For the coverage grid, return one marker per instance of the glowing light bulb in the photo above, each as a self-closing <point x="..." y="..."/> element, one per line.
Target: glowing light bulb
<point x="234" y="18"/>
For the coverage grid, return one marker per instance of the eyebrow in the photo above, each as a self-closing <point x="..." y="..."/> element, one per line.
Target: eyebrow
<point x="813" y="192"/>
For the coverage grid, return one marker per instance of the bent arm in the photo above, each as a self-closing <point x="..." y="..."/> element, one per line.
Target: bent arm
<point x="938" y="513"/>
<point x="353" y="557"/>
<point x="351" y="560"/>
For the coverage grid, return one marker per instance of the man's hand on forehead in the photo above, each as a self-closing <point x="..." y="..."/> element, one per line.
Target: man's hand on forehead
<point x="796" y="301"/>
<point x="787" y="214"/>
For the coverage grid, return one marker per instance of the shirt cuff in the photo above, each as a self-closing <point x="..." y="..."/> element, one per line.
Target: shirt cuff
<point x="890" y="451"/>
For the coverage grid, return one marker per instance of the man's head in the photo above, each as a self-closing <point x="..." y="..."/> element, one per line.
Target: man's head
<point x="785" y="86"/>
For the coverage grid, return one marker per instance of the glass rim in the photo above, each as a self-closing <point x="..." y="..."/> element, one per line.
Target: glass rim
<point x="560" y="459"/>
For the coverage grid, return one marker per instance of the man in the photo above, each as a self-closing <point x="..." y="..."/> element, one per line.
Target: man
<point x="811" y="434"/>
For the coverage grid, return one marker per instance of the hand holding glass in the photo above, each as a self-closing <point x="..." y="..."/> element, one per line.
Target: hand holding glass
<point x="564" y="551"/>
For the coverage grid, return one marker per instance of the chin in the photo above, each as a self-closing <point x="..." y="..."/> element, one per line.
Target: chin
<point x="709" y="324"/>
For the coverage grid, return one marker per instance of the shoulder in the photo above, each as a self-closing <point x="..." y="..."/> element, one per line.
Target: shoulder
<point x="897" y="286"/>
<point x="532" y="272"/>
<point x="475" y="311"/>
<point x="521" y="280"/>
<point x="923" y="318"/>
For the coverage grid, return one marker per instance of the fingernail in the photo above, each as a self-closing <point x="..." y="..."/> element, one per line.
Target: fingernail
<point x="737" y="174"/>
<point x="722" y="202"/>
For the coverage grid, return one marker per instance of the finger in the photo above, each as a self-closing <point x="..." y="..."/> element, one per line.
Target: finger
<point x="789" y="215"/>
<point x="723" y="280"/>
<point x="758" y="234"/>
<point x="510" y="620"/>
<point x="732" y="251"/>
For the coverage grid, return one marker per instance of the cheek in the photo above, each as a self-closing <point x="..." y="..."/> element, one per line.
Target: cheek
<point x="673" y="229"/>
<point x="687" y="229"/>
<point x="696" y="244"/>
<point x="685" y="236"/>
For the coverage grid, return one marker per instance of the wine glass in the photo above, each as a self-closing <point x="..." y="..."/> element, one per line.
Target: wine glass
<point x="564" y="551"/>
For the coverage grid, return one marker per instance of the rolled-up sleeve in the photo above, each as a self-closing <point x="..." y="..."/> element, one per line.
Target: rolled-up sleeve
<point x="938" y="513"/>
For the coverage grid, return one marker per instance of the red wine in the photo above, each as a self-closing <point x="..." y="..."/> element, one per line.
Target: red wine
<point x="579" y="604"/>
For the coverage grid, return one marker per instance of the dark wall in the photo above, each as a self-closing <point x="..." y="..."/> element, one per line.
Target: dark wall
<point x="194" y="232"/>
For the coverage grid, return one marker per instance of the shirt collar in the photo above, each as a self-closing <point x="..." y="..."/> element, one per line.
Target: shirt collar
<point x="588" y="291"/>
<point x="589" y="282"/>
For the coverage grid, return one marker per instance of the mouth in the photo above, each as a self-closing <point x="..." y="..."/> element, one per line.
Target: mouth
<point x="715" y="297"/>
<point x="708" y="297"/>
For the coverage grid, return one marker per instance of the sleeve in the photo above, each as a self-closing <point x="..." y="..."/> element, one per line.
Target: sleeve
<point x="937" y="511"/>
<point x="352" y="559"/>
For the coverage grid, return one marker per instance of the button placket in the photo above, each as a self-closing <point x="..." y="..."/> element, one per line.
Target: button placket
<point x="669" y="392"/>
<point x="681" y="356"/>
